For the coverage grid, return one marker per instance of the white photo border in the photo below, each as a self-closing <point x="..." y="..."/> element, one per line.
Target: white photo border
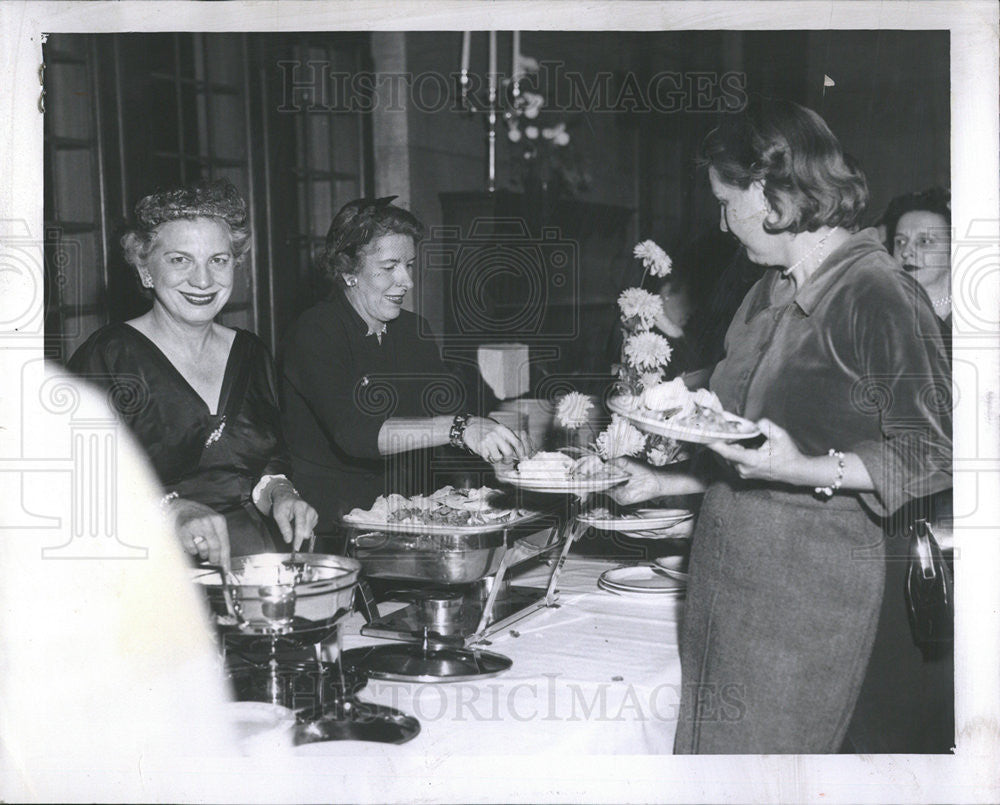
<point x="970" y="774"/>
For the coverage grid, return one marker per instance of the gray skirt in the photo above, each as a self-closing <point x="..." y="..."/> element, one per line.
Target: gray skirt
<point x="781" y="612"/>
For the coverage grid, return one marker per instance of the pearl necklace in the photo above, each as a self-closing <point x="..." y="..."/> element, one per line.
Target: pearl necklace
<point x="811" y="252"/>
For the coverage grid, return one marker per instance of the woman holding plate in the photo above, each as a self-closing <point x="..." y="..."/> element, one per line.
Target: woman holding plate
<point x="842" y="367"/>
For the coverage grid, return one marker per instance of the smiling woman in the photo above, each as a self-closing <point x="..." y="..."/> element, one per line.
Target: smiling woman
<point x="200" y="397"/>
<point x="362" y="379"/>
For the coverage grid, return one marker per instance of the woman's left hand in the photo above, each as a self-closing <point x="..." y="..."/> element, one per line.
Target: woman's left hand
<point x="296" y="519"/>
<point x="775" y="460"/>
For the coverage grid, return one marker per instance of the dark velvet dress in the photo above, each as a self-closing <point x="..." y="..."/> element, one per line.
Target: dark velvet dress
<point x="339" y="385"/>
<point x="214" y="459"/>
<point x="785" y="588"/>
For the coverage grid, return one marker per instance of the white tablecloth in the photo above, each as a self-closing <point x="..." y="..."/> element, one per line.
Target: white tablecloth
<point x="599" y="674"/>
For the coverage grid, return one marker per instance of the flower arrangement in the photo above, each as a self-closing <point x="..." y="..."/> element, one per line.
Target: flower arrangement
<point x="645" y="357"/>
<point x="547" y="155"/>
<point x="645" y="354"/>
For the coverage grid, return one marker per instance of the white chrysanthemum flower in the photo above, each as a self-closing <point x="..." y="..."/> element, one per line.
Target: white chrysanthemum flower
<point x="654" y="258"/>
<point x="572" y="410"/>
<point x="642" y="304"/>
<point x="620" y="438"/>
<point x="647" y="351"/>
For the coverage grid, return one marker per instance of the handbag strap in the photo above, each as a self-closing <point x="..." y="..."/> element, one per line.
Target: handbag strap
<point x="922" y="538"/>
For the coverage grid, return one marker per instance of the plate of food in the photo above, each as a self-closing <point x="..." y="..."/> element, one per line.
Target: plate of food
<point x="559" y="472"/>
<point x="446" y="511"/>
<point x="673" y="411"/>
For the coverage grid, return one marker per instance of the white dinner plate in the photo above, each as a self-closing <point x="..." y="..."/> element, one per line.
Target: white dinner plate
<point x="682" y="433"/>
<point x="571" y="485"/>
<point x="641" y="579"/>
<point x="649" y="595"/>
<point x="644" y="520"/>
<point x="673" y="566"/>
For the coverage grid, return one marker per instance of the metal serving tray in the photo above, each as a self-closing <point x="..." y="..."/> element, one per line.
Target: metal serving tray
<point x="447" y="530"/>
<point x="453" y="556"/>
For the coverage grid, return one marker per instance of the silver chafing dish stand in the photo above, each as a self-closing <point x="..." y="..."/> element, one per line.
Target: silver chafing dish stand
<point x="457" y="578"/>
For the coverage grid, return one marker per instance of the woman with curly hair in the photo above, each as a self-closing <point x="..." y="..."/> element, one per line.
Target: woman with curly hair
<point x="364" y="393"/>
<point x="839" y="367"/>
<point x="200" y="397"/>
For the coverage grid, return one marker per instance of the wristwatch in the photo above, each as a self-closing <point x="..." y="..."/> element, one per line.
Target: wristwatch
<point x="456" y="436"/>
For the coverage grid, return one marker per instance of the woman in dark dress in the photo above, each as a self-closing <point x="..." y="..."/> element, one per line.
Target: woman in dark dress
<point x="835" y="362"/>
<point x="907" y="701"/>
<point x="918" y="235"/>
<point x="362" y="379"/>
<point x="200" y="397"/>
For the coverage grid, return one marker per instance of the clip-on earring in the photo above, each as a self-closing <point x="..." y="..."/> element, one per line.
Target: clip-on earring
<point x="146" y="279"/>
<point x="350" y="282"/>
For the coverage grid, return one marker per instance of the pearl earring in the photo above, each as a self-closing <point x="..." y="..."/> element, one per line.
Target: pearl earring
<point x="146" y="279"/>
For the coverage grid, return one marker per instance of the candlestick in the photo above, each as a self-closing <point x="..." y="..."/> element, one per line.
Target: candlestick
<point x="466" y="41"/>
<point x="515" y="65"/>
<point x="491" y="183"/>
<point x="493" y="59"/>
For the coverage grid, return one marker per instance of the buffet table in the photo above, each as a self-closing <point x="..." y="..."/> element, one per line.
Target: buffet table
<point x="597" y="674"/>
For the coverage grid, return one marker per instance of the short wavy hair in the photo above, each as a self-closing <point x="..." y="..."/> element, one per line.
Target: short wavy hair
<point x="808" y="180"/>
<point x="358" y="223"/>
<point x="219" y="200"/>
<point x="934" y="199"/>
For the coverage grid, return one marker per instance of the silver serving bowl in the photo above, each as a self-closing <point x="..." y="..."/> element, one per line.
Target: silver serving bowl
<point x="277" y="593"/>
<point x="439" y="558"/>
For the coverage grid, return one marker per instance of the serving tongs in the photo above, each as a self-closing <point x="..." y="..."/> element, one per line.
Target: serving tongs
<point x="293" y="563"/>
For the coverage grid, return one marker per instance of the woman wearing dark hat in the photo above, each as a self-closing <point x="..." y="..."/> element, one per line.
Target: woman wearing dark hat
<point x="362" y="379"/>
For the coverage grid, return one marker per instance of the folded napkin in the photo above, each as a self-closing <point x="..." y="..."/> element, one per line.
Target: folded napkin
<point x="505" y="368"/>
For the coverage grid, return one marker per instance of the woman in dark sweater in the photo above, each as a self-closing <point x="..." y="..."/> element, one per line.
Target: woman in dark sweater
<point x="362" y="379"/>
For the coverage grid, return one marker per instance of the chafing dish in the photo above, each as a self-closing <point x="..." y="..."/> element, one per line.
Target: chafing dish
<point x="281" y="594"/>
<point x="435" y="564"/>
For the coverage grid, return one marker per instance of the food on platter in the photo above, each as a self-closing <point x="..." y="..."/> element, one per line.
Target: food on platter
<point x="445" y="507"/>
<point x="663" y="397"/>
<point x="559" y="467"/>
<point x="673" y="404"/>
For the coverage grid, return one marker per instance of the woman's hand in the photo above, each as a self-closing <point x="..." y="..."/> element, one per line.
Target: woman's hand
<point x="644" y="483"/>
<point x="495" y="442"/>
<point x="296" y="519"/>
<point x="201" y="529"/>
<point x="778" y="459"/>
<point x="648" y="482"/>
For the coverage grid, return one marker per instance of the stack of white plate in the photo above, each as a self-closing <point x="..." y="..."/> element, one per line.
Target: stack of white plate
<point x="644" y="523"/>
<point x="642" y="580"/>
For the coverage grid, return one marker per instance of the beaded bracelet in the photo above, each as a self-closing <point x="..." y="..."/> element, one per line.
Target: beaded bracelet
<point x="827" y="491"/>
<point x="456" y="435"/>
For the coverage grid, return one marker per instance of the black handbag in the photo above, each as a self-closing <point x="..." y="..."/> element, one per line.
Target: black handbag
<point x="929" y="593"/>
